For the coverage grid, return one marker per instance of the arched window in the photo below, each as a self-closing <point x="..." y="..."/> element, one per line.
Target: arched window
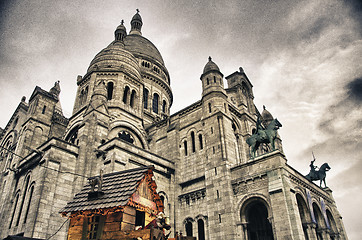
<point x="188" y="228"/>
<point x="185" y="147"/>
<point x="126" y="136"/>
<point x="200" y="142"/>
<point x="320" y="220"/>
<point x="155" y="103"/>
<point x="164" y="106"/>
<point x="145" y="98"/>
<point x="333" y="233"/>
<point x="133" y="97"/>
<point x="109" y="90"/>
<point x="258" y="226"/>
<point x="125" y="94"/>
<point x="207" y="81"/>
<point x="193" y="141"/>
<point x="29" y="203"/>
<point x="209" y="107"/>
<point x="23" y="199"/>
<point x="201" y="229"/>
<point x="214" y="79"/>
<point x="14" y="210"/>
<point x="73" y="136"/>
<point x="303" y="213"/>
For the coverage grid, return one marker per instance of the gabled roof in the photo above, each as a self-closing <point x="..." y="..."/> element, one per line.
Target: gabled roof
<point x="117" y="187"/>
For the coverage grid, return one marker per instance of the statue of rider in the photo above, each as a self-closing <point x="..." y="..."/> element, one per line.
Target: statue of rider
<point x="260" y="129"/>
<point x="313" y="171"/>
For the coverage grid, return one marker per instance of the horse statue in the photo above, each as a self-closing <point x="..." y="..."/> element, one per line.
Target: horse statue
<point x="320" y="174"/>
<point x="267" y="135"/>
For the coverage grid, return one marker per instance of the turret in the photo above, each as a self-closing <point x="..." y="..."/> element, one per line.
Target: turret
<point x="212" y="79"/>
<point x="136" y="24"/>
<point x="240" y="91"/>
<point x="120" y="32"/>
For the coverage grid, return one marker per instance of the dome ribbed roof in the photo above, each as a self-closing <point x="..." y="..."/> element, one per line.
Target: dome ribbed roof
<point x="137" y="16"/>
<point x="142" y="47"/>
<point x="266" y="115"/>
<point x="115" y="57"/>
<point x="210" y="66"/>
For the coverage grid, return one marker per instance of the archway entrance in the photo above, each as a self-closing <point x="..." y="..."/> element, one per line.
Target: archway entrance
<point x="259" y="227"/>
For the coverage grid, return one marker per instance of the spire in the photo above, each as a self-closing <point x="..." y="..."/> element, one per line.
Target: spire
<point x="120" y="32"/>
<point x="136" y="24"/>
<point x="56" y="89"/>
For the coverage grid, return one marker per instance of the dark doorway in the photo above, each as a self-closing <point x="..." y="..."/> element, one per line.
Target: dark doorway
<point x="259" y="228"/>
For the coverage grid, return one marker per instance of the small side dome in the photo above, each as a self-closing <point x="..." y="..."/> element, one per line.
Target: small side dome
<point x="267" y="116"/>
<point x="136" y="24"/>
<point x="120" y="32"/>
<point x="210" y="66"/>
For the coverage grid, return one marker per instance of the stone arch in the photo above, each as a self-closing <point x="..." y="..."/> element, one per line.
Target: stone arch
<point x="237" y="141"/>
<point x="27" y="181"/>
<point x="188" y="226"/>
<point x="7" y="145"/>
<point x="202" y="229"/>
<point x="110" y="90"/>
<point x="37" y="136"/>
<point x="126" y="92"/>
<point x="333" y="233"/>
<point x="30" y="191"/>
<point x="256" y="216"/>
<point x="320" y="224"/>
<point x="133" y="98"/>
<point x="304" y="212"/>
<point x="73" y="135"/>
<point x="155" y="102"/>
<point x="146" y="93"/>
<point x="14" y="207"/>
<point x="137" y="135"/>
<point x="242" y="202"/>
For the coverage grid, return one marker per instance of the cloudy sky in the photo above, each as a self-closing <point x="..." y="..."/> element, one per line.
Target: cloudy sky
<point x="303" y="58"/>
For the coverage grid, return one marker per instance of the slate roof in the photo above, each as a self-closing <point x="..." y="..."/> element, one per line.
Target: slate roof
<point x="14" y="237"/>
<point x="117" y="187"/>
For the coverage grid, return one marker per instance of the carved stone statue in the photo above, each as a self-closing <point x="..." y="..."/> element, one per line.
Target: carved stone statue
<point x="262" y="135"/>
<point x="320" y="174"/>
<point x="97" y="181"/>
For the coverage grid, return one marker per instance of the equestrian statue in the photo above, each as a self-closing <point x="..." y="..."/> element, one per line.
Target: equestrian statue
<point x="320" y="174"/>
<point x="267" y="135"/>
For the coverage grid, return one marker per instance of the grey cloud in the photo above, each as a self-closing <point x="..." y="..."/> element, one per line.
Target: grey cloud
<point x="355" y="7"/>
<point x="354" y="89"/>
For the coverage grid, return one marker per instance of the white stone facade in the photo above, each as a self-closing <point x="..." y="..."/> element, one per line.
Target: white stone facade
<point x="211" y="186"/>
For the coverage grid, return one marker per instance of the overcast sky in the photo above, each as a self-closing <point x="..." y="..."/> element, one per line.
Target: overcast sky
<point x="303" y="58"/>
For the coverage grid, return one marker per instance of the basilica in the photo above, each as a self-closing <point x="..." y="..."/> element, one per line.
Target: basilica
<point x="210" y="182"/>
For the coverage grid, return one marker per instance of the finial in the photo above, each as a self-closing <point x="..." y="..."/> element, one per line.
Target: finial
<point x="122" y="21"/>
<point x="241" y="70"/>
<point x="23" y="99"/>
<point x="209" y="59"/>
<point x="137" y="10"/>
<point x="264" y="107"/>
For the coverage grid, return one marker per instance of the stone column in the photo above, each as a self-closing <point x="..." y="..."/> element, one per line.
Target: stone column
<point x="311" y="230"/>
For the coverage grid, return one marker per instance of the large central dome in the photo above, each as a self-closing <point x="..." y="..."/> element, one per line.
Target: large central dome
<point x="142" y="47"/>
